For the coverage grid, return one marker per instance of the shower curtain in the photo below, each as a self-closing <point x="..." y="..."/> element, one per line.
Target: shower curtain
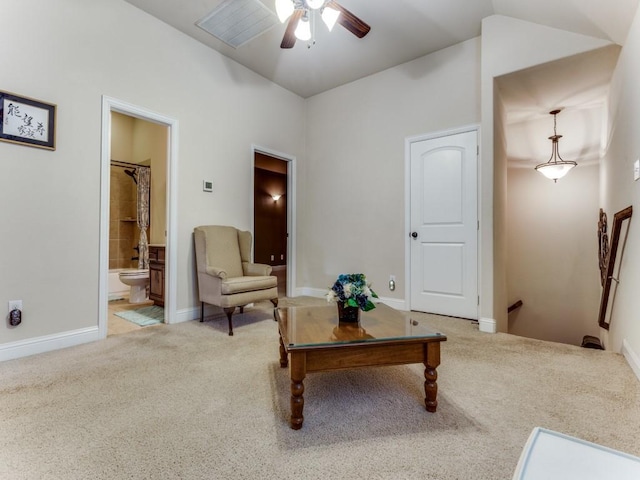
<point x="144" y="184"/>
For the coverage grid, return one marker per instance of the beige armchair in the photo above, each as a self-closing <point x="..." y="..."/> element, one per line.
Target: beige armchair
<point x="226" y="276"/>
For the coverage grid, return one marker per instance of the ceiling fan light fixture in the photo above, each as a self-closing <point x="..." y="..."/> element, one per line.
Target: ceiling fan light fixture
<point x="303" y="30"/>
<point x="330" y="17"/>
<point x="284" y="9"/>
<point x="302" y="21"/>
<point x="315" y="4"/>
<point x="556" y="167"/>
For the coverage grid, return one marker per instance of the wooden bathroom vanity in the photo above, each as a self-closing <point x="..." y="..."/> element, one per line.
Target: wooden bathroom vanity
<point x="156" y="274"/>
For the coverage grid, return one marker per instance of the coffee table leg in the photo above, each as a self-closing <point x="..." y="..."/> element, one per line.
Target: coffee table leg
<point x="298" y="372"/>
<point x="431" y="362"/>
<point x="284" y="359"/>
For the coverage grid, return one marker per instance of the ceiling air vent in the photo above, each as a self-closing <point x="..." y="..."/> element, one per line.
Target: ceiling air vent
<point x="235" y="22"/>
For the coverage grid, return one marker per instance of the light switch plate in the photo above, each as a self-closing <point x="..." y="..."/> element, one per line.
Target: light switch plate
<point x="207" y="186"/>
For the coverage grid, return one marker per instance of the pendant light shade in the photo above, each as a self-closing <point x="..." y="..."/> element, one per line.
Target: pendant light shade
<point x="556" y="167"/>
<point x="303" y="30"/>
<point x="284" y="9"/>
<point x="329" y="17"/>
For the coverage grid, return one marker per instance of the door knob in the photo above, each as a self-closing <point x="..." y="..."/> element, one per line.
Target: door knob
<point x="414" y="234"/>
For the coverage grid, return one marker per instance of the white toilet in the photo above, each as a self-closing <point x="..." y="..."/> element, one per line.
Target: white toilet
<point x="138" y="280"/>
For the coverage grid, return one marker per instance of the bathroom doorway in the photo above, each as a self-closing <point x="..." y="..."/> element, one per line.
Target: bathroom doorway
<point x="124" y="230"/>
<point x="138" y="162"/>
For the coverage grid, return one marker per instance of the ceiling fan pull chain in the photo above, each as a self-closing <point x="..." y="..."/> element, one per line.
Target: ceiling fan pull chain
<point x="312" y="24"/>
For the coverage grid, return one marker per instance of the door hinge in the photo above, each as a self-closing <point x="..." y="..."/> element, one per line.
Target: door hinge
<point x="478" y="300"/>
<point x="478" y="224"/>
<point x="478" y="150"/>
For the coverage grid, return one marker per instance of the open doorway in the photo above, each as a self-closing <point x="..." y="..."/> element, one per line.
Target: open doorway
<point x="137" y="223"/>
<point x="273" y="203"/>
<point x="139" y="146"/>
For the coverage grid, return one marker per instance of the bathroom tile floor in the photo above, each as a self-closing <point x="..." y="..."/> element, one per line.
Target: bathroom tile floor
<point x="117" y="325"/>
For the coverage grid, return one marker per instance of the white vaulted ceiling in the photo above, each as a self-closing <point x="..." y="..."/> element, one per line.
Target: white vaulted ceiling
<point x="403" y="30"/>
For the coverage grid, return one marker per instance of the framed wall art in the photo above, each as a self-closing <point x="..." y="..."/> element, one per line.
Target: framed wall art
<point x="610" y="262"/>
<point x="27" y="121"/>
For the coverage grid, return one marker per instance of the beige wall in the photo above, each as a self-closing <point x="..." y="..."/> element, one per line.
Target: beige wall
<point x="74" y="53"/>
<point x="553" y="254"/>
<point x="500" y="250"/>
<point x="619" y="190"/>
<point x="150" y="148"/>
<point x="122" y="137"/>
<point x="353" y="215"/>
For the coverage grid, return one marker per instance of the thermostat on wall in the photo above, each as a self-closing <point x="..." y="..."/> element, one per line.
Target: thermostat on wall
<point x="207" y="186"/>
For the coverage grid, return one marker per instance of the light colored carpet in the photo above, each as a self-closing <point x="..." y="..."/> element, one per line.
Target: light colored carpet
<point x="187" y="401"/>
<point x="151" y="315"/>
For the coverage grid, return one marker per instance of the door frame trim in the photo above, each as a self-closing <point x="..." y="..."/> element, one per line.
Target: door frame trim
<point x="291" y="208"/>
<point x="475" y="127"/>
<point x="109" y="105"/>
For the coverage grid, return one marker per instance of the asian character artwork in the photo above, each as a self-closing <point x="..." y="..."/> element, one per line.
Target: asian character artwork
<point x="27" y="121"/>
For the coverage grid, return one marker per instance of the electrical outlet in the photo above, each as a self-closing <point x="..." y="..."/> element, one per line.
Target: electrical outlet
<point x="15" y="304"/>
<point x="636" y="170"/>
<point x="272" y="258"/>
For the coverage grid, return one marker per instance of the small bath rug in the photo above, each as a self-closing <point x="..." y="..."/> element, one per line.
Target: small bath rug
<point x="145" y="316"/>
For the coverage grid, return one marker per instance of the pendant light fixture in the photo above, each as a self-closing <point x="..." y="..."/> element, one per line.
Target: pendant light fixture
<point x="556" y="167"/>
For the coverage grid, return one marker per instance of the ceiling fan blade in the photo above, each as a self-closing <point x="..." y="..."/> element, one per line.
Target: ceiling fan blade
<point x="289" y="39"/>
<point x="349" y="21"/>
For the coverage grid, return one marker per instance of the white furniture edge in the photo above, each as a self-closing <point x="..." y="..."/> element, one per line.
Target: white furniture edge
<point x="567" y="470"/>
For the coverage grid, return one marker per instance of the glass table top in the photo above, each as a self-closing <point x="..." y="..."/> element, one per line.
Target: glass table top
<point x="302" y="327"/>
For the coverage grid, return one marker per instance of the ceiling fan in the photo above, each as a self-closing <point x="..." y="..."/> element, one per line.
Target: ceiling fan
<point x="301" y="14"/>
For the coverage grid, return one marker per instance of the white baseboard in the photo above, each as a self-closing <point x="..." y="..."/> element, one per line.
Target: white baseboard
<point x="310" y="292"/>
<point x="189" y="314"/>
<point x="632" y="358"/>
<point x="487" y="325"/>
<point x="32" y="346"/>
<point x="394" y="303"/>
<point x="321" y="293"/>
<point x="193" y="313"/>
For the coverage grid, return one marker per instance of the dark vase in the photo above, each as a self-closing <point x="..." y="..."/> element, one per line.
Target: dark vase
<point x="348" y="314"/>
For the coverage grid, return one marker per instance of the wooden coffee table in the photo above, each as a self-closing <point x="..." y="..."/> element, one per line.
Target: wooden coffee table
<point x="316" y="341"/>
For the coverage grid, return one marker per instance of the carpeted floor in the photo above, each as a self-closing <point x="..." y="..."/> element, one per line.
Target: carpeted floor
<point x="187" y="401"/>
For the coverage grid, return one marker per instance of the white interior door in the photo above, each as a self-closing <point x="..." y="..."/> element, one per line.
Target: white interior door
<point x="444" y="225"/>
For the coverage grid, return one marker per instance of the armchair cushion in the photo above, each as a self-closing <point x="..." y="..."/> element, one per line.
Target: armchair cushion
<point x="247" y="284"/>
